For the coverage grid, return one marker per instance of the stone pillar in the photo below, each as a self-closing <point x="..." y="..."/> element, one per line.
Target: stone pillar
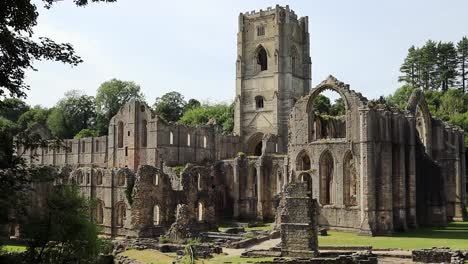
<point x="260" y="198"/>
<point x="459" y="189"/>
<point x="366" y="167"/>
<point x="411" y="218"/>
<point x="236" y="186"/>
<point x="463" y="168"/>
<point x="298" y="217"/>
<point x="400" y="175"/>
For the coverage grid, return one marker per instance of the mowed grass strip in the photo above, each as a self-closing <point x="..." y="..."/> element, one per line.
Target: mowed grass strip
<point x="148" y="256"/>
<point x="455" y="236"/>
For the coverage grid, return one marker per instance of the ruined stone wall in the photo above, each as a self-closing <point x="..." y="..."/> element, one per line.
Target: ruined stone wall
<point x="137" y="137"/>
<point x="375" y="179"/>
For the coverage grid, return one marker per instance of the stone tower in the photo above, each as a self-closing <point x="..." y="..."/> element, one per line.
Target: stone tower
<point x="273" y="69"/>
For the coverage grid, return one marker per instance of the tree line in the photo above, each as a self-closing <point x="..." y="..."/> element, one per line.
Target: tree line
<point x="437" y="66"/>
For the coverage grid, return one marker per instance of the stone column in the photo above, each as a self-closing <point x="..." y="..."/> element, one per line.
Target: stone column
<point x="412" y="220"/>
<point x="401" y="173"/>
<point x="459" y="190"/>
<point x="384" y="187"/>
<point x="367" y="184"/>
<point x="259" y="169"/>
<point x="236" y="186"/>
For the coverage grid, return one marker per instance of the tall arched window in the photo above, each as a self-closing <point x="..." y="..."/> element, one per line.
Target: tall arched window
<point x="200" y="212"/>
<point x="188" y="139"/>
<point x="262" y="59"/>
<point x="171" y="138"/>
<point x="144" y="135"/>
<point x="121" y="178"/>
<point x="259" y="102"/>
<point x="350" y="181"/>
<point x="205" y="143"/>
<point x="303" y="161"/>
<point x="98" y="177"/>
<point x="305" y="177"/>
<point x="83" y="146"/>
<point x="199" y="183"/>
<point x="156" y="217"/>
<point x="120" y="134"/>
<point x="100" y="212"/>
<point x="121" y="214"/>
<point x="97" y="146"/>
<point x="326" y="178"/>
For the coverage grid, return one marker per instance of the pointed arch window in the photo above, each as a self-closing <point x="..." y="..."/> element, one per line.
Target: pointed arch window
<point x="120" y="134"/>
<point x="259" y="102"/>
<point x="262" y="59"/>
<point x="144" y="136"/>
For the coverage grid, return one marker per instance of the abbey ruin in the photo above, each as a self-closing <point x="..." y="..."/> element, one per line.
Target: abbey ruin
<point x="373" y="170"/>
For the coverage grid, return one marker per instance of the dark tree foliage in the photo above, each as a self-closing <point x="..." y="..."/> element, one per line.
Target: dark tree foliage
<point x="323" y="106"/>
<point x="219" y="114"/>
<point x="170" y="106"/>
<point x="72" y="114"/>
<point x="13" y="108"/>
<point x="64" y="233"/>
<point x="18" y="49"/>
<point x="462" y="49"/>
<point x="436" y="65"/>
<point x="110" y="97"/>
<point x="446" y="65"/>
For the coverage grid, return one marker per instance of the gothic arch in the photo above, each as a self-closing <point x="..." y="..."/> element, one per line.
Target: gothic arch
<point x="261" y="56"/>
<point x="120" y="131"/>
<point x="121" y="214"/>
<point x="254" y="144"/>
<point x="350" y="180"/>
<point x="156" y="214"/>
<point x="305" y="177"/>
<point x="417" y="105"/>
<point x="99" y="212"/>
<point x="326" y="170"/>
<point x="303" y="162"/>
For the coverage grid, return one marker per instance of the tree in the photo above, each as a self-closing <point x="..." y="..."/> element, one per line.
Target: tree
<point x="13" y="108"/>
<point x="64" y="232"/>
<point x="37" y="114"/>
<point x="401" y="96"/>
<point x="110" y="97"/>
<point x="409" y="68"/>
<point x="170" y="106"/>
<point x="221" y="114"/>
<point x="462" y="50"/>
<point x="192" y="103"/>
<point x="427" y="62"/>
<point x="446" y="65"/>
<point x="87" y="132"/>
<point x="72" y="114"/>
<point x="321" y="104"/>
<point x="338" y="108"/>
<point x="18" y="48"/>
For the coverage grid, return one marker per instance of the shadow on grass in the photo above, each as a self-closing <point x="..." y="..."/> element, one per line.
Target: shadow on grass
<point x="455" y="230"/>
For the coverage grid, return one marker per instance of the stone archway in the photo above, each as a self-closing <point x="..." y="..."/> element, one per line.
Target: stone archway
<point x="255" y="144"/>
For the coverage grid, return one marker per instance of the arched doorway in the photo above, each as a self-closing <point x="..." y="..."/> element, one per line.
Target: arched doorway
<point x="255" y="145"/>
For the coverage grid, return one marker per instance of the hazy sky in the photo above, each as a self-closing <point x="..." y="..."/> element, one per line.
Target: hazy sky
<point x="190" y="46"/>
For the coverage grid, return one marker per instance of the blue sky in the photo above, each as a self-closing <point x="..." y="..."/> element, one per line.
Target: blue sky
<point x="190" y="46"/>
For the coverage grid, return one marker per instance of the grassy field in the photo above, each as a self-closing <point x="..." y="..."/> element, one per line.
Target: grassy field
<point x="455" y="236"/>
<point x="13" y="248"/>
<point x="149" y="256"/>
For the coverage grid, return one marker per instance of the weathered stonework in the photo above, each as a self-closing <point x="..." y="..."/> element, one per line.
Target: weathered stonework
<point x="298" y="222"/>
<point x="374" y="170"/>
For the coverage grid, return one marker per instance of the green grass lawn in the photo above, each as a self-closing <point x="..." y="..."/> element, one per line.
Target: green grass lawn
<point x="455" y="236"/>
<point x="149" y="256"/>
